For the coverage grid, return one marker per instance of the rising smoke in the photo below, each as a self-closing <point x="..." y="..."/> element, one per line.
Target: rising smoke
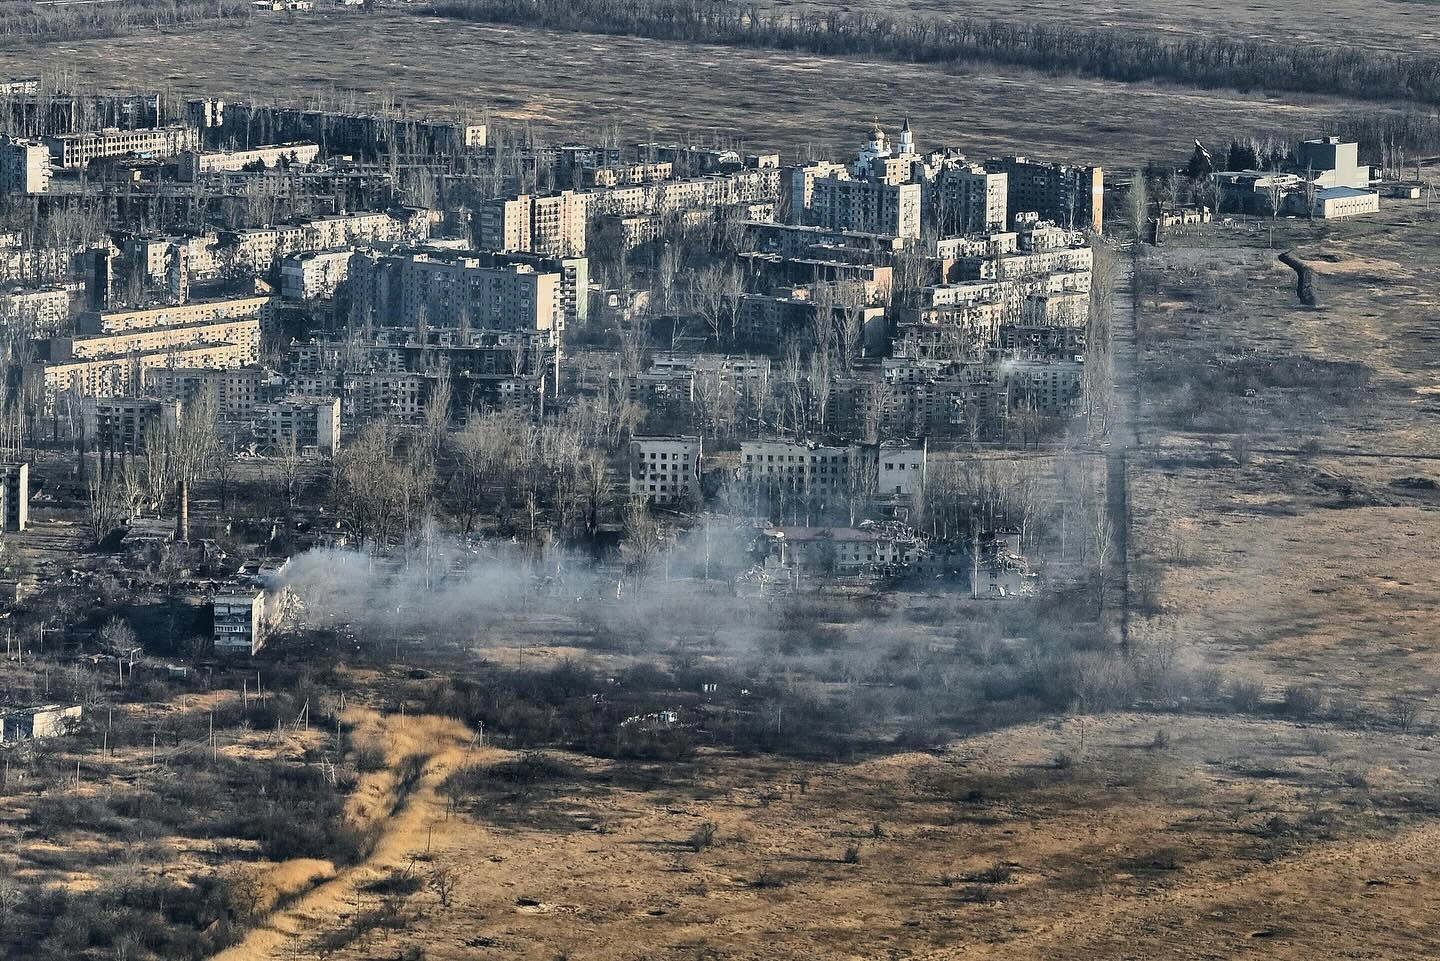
<point x="450" y="589"/>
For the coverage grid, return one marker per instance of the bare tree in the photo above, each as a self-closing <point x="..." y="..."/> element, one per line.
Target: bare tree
<point x="437" y="411"/>
<point x="471" y="462"/>
<point x="185" y="450"/>
<point x="12" y="898"/>
<point x="643" y="538"/>
<point x="444" y="881"/>
<point x="792" y="385"/>
<point x="102" y="505"/>
<point x="850" y="299"/>
<point x="1275" y="192"/>
<point x="289" y="472"/>
<point x="117" y="635"/>
<point x="1098" y="380"/>
<point x="714" y="294"/>
<point x="1139" y="202"/>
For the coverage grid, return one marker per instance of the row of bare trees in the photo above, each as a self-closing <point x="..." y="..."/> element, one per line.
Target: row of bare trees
<point x="169" y="460"/>
<point x="540" y="479"/>
<point x="1128" y="56"/>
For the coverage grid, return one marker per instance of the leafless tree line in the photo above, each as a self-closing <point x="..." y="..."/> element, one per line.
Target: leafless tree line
<point x="1130" y="56"/>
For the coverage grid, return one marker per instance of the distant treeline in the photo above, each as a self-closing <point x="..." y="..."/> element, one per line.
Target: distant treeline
<point x="1125" y="56"/>
<point x="1394" y="140"/>
<point x="72" y="21"/>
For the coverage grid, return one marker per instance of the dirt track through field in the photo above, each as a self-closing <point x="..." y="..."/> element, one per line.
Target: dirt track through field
<point x="445" y="745"/>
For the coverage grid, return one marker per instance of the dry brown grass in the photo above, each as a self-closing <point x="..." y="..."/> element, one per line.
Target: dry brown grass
<point x="1307" y="565"/>
<point x="1116" y="851"/>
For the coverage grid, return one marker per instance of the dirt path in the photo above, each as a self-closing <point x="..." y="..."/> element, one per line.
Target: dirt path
<point x="445" y="745"/>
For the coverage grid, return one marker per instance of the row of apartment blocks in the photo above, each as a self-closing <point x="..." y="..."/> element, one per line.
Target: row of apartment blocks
<point x="557" y="224"/>
<point x="898" y="396"/>
<point x="245" y="123"/>
<point x="392" y="375"/>
<point x="666" y="470"/>
<point x="35" y="263"/>
<point x="302" y="424"/>
<point x="998" y="330"/>
<point x="891" y="189"/>
<point x="209" y="256"/>
<point x="73" y="151"/>
<point x="1037" y="274"/>
<point x="970" y="398"/>
<point x="191" y="164"/>
<point x="888" y="471"/>
<point x="682" y="379"/>
<point x="467" y="290"/>
<point x="114" y="349"/>
<point x="37" y="312"/>
<point x="46" y="110"/>
<point x="582" y="166"/>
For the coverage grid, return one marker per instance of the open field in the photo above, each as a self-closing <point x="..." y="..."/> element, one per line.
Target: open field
<point x="1289" y="541"/>
<point x="1184" y="844"/>
<point x="571" y="86"/>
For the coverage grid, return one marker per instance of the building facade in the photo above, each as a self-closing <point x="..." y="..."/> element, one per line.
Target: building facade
<point x="665" y="470"/>
<point x="14" y="496"/>
<point x="866" y="206"/>
<point x="299" y="423"/>
<point x="74" y="151"/>
<point x="122" y="424"/>
<point x="24" y="166"/>
<point x="1070" y="195"/>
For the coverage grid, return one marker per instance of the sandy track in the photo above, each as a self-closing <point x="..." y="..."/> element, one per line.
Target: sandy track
<point x="445" y="745"/>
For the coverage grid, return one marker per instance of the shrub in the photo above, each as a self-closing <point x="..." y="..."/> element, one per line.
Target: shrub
<point x="976" y="894"/>
<point x="1302" y="701"/>
<point x="702" y="837"/>
<point x="767" y="879"/>
<point x="1317" y="742"/>
<point x="995" y="874"/>
<point x="369" y="758"/>
<point x="1245" y="694"/>
<point x="851" y="855"/>
<point x="395" y="884"/>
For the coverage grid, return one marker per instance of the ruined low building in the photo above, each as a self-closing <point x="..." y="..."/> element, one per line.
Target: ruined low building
<point x="867" y="549"/>
<point x="245" y="615"/>
<point x="37" y="723"/>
